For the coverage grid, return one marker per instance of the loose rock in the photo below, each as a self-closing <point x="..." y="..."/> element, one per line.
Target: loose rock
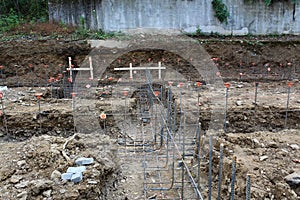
<point x="21" y="163"/>
<point x="22" y="184"/>
<point x="294" y="146"/>
<point x="262" y="158"/>
<point x="55" y="175"/>
<point x="239" y="103"/>
<point x="15" y="179"/>
<point x="293" y="179"/>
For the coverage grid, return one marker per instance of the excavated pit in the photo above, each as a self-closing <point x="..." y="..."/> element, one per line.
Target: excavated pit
<point x="28" y="64"/>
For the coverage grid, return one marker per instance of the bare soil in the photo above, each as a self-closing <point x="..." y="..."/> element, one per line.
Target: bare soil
<point x="31" y="155"/>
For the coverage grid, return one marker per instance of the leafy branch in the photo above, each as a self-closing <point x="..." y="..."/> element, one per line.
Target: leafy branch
<point x="221" y="10"/>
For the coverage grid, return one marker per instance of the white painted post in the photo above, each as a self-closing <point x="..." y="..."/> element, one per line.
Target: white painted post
<point x="70" y="67"/>
<point x="159" y="70"/>
<point x="130" y="69"/>
<point x="91" y="68"/>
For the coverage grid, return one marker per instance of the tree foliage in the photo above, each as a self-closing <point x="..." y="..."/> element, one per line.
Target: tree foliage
<point x="27" y="9"/>
<point x="221" y="10"/>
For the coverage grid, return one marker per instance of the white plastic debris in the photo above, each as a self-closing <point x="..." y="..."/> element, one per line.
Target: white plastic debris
<point x="84" y="161"/>
<point x="66" y="176"/>
<point x="76" y="178"/>
<point x="3" y="88"/>
<point x="76" y="169"/>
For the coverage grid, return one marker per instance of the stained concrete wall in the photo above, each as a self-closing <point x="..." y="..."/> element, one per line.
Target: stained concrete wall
<point x="183" y="15"/>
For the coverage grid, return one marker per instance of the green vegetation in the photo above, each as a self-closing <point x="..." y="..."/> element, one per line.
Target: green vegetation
<point x="197" y="33"/>
<point x="29" y="18"/>
<point x="16" y="12"/>
<point x="9" y="21"/>
<point x="82" y="33"/>
<point x="221" y="10"/>
<point x="27" y="9"/>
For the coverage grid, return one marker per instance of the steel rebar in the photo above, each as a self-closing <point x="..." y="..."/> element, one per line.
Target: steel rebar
<point x="183" y="157"/>
<point x="233" y="175"/>
<point x="210" y="169"/>
<point x="220" y="172"/>
<point x="248" y="187"/>
<point x="199" y="153"/>
<point x="40" y="117"/>
<point x="256" y="90"/>
<point x="226" y="110"/>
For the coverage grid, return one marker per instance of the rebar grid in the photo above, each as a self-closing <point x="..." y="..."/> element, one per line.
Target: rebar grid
<point x="166" y="145"/>
<point x="164" y="148"/>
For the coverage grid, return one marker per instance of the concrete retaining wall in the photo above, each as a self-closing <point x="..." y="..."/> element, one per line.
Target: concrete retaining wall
<point x="183" y="15"/>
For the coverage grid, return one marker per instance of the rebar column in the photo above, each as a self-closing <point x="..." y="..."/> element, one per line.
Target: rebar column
<point x="248" y="187"/>
<point x="220" y="172"/>
<point x="233" y="174"/>
<point x="227" y="85"/>
<point x="199" y="153"/>
<point x="40" y="117"/>
<point x="183" y="157"/>
<point x="174" y="119"/>
<point x="210" y="169"/>
<point x="155" y="124"/>
<point x="256" y="89"/>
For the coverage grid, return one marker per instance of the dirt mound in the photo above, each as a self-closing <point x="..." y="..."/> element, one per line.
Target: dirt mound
<point x="32" y="169"/>
<point x="267" y="157"/>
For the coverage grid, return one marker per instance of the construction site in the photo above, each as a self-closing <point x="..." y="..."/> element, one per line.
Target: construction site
<point x="161" y="117"/>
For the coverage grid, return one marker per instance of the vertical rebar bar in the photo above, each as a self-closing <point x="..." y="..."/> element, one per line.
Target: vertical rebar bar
<point x="144" y="162"/>
<point x="174" y="118"/>
<point x="198" y="93"/>
<point x="210" y="169"/>
<point x="199" y="153"/>
<point x="290" y="71"/>
<point x="256" y="90"/>
<point x="71" y="82"/>
<point x="233" y="174"/>
<point x="226" y="109"/>
<point x="287" y="104"/>
<point x="220" y="172"/>
<point x="248" y="187"/>
<point x="180" y="100"/>
<point x="161" y="136"/>
<point x="155" y="124"/>
<point x="40" y="117"/>
<point x="169" y="127"/>
<point x="183" y="157"/>
<point x="170" y="108"/>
